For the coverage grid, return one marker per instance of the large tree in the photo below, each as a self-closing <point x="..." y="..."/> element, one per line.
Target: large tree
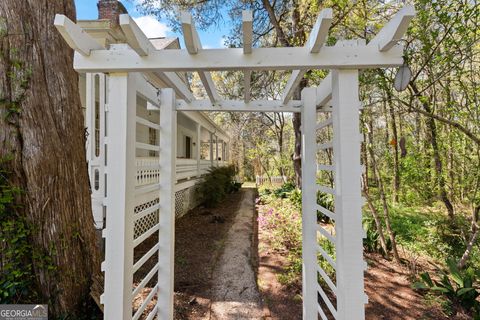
<point x="43" y="161"/>
<point x="278" y="23"/>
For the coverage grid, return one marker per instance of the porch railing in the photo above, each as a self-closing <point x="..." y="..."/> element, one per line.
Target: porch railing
<point x="185" y="169"/>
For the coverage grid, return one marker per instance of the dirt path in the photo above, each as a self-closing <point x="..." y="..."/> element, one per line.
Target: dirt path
<point x="234" y="289"/>
<point x="214" y="277"/>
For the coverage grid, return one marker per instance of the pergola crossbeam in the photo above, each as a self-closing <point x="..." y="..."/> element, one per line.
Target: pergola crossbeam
<point x="286" y="58"/>
<point x="315" y="41"/>
<point x="75" y="36"/>
<point x="194" y="46"/>
<point x="394" y="30"/>
<point x="235" y="105"/>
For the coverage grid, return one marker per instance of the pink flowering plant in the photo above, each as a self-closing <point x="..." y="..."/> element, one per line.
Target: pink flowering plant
<point x="280" y="220"/>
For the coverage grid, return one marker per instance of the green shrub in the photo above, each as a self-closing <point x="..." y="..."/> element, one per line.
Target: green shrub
<point x="327" y="201"/>
<point x="371" y="242"/>
<point x="457" y="285"/>
<point x="284" y="191"/>
<point x="216" y="184"/>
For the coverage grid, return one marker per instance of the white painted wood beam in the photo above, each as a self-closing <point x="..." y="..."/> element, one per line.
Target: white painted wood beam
<point x="324" y="91"/>
<point x="247" y="27"/>
<point x="194" y="46"/>
<point x="292" y="84"/>
<point x="77" y="38"/>
<point x="209" y="85"/>
<point x="235" y="105"/>
<point x="319" y="32"/>
<point x="171" y="80"/>
<point x="166" y="232"/>
<point x="309" y="212"/>
<point x="122" y="59"/>
<point x="394" y="30"/>
<point x="315" y="41"/>
<point x="136" y="39"/>
<point x="139" y="42"/>
<point x="190" y="35"/>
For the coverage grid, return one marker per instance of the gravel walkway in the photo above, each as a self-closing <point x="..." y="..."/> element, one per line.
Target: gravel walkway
<point x="234" y="292"/>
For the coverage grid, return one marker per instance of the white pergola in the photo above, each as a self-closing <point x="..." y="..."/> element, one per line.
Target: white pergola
<point x="136" y="68"/>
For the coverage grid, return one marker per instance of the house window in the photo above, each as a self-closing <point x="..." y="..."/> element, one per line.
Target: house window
<point x="152" y="139"/>
<point x="97" y="115"/>
<point x="188" y="147"/>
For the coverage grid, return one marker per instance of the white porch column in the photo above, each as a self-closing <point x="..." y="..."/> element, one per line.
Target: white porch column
<point x="166" y="232"/>
<point x="309" y="196"/>
<point x="211" y="149"/>
<point x="351" y="297"/>
<point x="199" y="144"/>
<point x="216" y="150"/>
<point x="118" y="264"/>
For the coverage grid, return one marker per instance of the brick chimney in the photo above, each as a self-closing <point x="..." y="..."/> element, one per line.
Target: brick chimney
<point x="110" y="10"/>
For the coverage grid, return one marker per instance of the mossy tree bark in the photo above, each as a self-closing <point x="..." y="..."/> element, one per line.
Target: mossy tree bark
<point x="42" y="131"/>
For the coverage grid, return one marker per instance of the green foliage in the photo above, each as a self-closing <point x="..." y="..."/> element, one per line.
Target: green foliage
<point x="428" y="232"/>
<point x="459" y="286"/>
<point x="280" y="214"/>
<point x="327" y="201"/>
<point x="16" y="270"/>
<point x="371" y="242"/>
<point x="216" y="184"/>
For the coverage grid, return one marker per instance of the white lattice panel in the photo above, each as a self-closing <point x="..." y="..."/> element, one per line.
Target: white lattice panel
<point x="148" y="221"/>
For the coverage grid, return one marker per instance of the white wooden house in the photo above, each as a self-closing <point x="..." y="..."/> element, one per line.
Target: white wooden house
<point x="200" y="143"/>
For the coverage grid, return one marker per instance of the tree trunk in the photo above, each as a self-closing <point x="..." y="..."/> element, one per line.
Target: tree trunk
<point x="376" y="216"/>
<point x="432" y="127"/>
<point x="396" y="165"/>
<point x="42" y="128"/>
<point x="383" y="198"/>
<point x="297" y="151"/>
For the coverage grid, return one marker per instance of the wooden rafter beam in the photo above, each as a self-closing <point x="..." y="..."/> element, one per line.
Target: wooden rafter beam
<point x="194" y="47"/>
<point x="235" y="105"/>
<point x="140" y="43"/>
<point x="136" y="39"/>
<point x="247" y="27"/>
<point x="77" y="38"/>
<point x="324" y="91"/>
<point x="171" y="80"/>
<point x="394" y="30"/>
<point x="315" y="41"/>
<point x="319" y="33"/>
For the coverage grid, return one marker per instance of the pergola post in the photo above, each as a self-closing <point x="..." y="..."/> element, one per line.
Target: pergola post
<point x="166" y="232"/>
<point x="118" y="263"/>
<point x="351" y="297"/>
<point x="309" y="196"/>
